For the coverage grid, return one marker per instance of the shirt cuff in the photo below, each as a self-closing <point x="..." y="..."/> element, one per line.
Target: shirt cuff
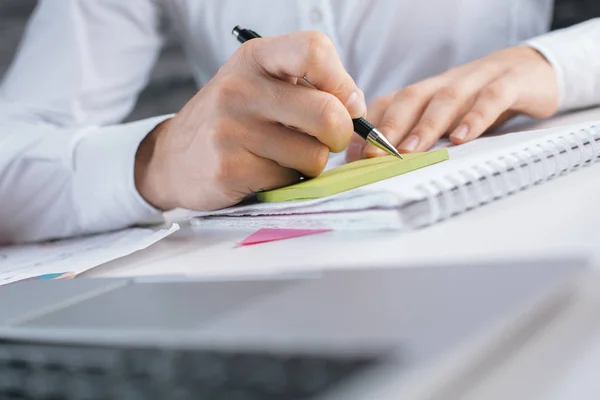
<point x="104" y="160"/>
<point x="575" y="55"/>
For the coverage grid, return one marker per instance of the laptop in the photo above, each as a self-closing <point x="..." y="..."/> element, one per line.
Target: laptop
<point x="343" y="334"/>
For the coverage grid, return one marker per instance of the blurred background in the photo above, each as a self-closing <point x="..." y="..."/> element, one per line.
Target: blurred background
<point x="171" y="84"/>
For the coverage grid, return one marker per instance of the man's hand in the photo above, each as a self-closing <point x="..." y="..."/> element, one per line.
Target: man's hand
<point x="463" y="102"/>
<point x="251" y="128"/>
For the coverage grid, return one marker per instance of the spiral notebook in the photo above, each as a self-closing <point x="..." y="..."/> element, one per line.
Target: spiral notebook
<point x="478" y="173"/>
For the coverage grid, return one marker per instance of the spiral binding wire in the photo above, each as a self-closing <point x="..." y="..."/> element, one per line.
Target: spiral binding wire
<point x="531" y="165"/>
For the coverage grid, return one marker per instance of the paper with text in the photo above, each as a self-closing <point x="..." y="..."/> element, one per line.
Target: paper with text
<point x="75" y="255"/>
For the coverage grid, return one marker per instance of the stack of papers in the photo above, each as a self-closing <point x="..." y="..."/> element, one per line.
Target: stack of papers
<point x="74" y="255"/>
<point x="380" y="194"/>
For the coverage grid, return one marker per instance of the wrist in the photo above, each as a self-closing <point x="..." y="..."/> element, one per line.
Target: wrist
<point x="150" y="169"/>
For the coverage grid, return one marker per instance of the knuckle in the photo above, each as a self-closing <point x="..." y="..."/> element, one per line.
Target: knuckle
<point x="389" y="125"/>
<point x="476" y="116"/>
<point x="449" y="94"/>
<point x="427" y="124"/>
<point x="411" y="92"/>
<point x="249" y="51"/>
<point x="228" y="90"/>
<point x="318" y="47"/>
<point x="495" y="93"/>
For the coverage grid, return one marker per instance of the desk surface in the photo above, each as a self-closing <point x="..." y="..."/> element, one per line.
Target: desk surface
<point x="558" y="218"/>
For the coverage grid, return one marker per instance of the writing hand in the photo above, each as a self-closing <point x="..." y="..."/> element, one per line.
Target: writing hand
<point x="251" y="127"/>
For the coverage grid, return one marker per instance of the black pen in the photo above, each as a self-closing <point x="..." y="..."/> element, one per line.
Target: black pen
<point x="361" y="126"/>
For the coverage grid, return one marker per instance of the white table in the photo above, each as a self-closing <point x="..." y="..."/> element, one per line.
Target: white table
<point x="561" y="217"/>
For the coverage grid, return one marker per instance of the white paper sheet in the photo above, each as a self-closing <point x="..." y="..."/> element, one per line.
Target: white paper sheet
<point x="74" y="255"/>
<point x="405" y="202"/>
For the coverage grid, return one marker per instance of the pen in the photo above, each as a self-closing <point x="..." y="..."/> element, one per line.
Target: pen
<point x="361" y="126"/>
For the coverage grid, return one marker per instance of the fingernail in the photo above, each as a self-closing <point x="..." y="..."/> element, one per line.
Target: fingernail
<point x="460" y="132"/>
<point x="356" y="105"/>
<point x="410" y="143"/>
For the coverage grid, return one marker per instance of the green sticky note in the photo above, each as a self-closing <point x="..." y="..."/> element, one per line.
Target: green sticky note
<point x="353" y="175"/>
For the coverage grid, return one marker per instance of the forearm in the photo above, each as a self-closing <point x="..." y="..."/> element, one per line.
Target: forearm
<point x="57" y="182"/>
<point x="575" y="55"/>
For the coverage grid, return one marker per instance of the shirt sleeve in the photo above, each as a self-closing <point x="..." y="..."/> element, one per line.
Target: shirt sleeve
<point x="66" y="165"/>
<point x="575" y="55"/>
<point x="59" y="182"/>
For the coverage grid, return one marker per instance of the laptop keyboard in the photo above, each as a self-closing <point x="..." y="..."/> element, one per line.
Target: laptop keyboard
<point x="53" y="372"/>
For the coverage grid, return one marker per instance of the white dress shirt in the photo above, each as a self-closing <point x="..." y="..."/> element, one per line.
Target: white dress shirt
<point x="66" y="164"/>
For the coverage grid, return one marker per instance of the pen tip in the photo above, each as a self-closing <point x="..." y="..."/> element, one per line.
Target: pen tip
<point x="397" y="153"/>
<point x="236" y="31"/>
<point x="377" y="139"/>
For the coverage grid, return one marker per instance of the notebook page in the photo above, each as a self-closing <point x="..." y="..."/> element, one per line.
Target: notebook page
<point x="404" y="189"/>
<point x="384" y="219"/>
<point x="473" y="154"/>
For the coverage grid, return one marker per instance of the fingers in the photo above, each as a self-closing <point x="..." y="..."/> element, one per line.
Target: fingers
<point x="311" y="55"/>
<point x="289" y="148"/>
<point x="403" y="112"/>
<point x="378" y="107"/>
<point x="445" y="107"/>
<point x="356" y="148"/>
<point x="245" y="173"/>
<point x="317" y="113"/>
<point x="375" y="113"/>
<point x="469" y="99"/>
<point x="491" y="104"/>
<point x="266" y="174"/>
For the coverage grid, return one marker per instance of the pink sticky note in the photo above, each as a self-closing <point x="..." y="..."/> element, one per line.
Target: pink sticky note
<point x="266" y="235"/>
